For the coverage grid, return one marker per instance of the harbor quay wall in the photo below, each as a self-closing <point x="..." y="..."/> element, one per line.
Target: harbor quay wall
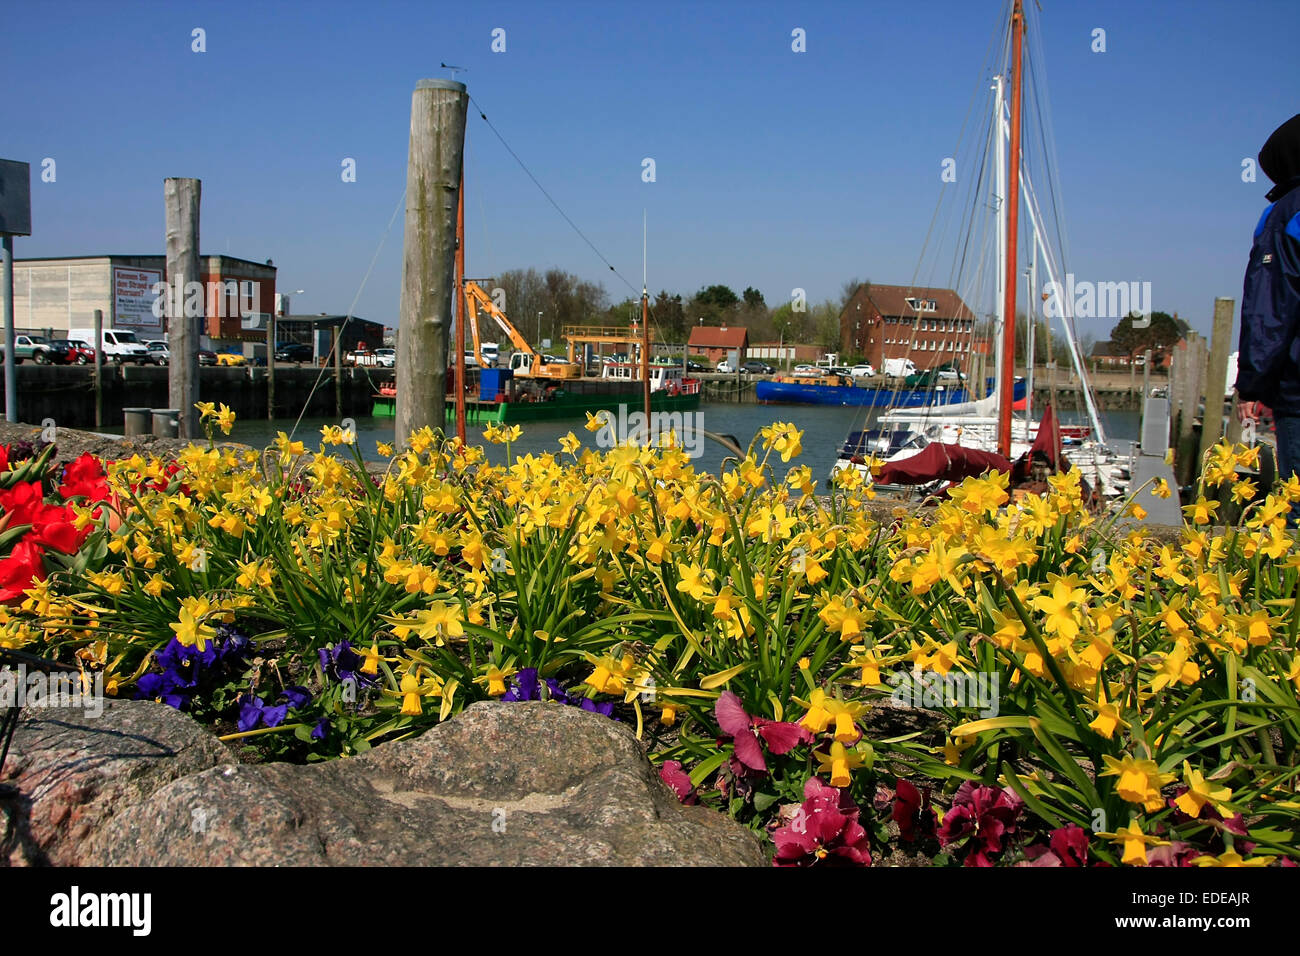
<point x="65" y="393"/>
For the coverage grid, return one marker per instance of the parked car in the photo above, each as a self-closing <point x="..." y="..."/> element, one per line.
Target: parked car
<point x="697" y="367"/>
<point x="294" y="352"/>
<point x="207" y="357"/>
<point x="34" y="347"/>
<point x="231" y="358"/>
<point x="83" y="354"/>
<point x="725" y="367"/>
<point x="755" y="367"/>
<point x="862" y="371"/>
<point x="840" y="370"/>
<point x="948" y="373"/>
<point x="159" y="352"/>
<point x="387" y="357"/>
<point x="62" y="352"/>
<point x="118" y="345"/>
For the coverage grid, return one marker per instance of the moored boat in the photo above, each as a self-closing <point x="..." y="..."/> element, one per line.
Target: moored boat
<point x="842" y="390"/>
<point x="503" y="399"/>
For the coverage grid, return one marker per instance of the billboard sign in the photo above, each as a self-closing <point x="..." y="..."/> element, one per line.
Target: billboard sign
<point x="133" y="299"/>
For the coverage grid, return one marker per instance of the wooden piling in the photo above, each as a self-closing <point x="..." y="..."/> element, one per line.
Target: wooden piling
<point x="182" y="197"/>
<point x="433" y="174"/>
<point x="1185" y="390"/>
<point x="1217" y="373"/>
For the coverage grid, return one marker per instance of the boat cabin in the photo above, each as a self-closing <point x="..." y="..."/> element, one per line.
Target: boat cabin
<point x="669" y="378"/>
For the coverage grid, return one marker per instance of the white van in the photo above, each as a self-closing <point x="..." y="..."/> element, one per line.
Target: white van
<point x="898" y="367"/>
<point x="118" y="345"/>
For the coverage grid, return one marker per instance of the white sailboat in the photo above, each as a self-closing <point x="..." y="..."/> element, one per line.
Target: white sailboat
<point x="987" y="424"/>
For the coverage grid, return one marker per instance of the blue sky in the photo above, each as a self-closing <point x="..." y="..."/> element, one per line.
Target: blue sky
<point x="774" y="169"/>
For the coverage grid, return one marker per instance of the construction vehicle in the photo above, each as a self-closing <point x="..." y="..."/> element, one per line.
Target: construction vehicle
<point x="525" y="362"/>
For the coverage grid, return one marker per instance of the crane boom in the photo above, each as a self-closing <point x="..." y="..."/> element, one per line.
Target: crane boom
<point x="537" y="367"/>
<point x="475" y="296"/>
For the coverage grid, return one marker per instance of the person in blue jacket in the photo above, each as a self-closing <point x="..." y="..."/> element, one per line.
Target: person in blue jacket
<point x="1268" y="368"/>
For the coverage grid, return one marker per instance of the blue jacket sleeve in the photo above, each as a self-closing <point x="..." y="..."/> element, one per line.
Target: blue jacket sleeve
<point x="1270" y="311"/>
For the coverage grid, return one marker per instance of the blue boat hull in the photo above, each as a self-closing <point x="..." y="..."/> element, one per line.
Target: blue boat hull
<point x="791" y="393"/>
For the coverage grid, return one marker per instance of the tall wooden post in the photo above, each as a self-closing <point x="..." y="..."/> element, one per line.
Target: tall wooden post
<point x="182" y="200"/>
<point x="460" y="309"/>
<point x="99" y="368"/>
<point x="433" y="174"/>
<point x="1216" y="376"/>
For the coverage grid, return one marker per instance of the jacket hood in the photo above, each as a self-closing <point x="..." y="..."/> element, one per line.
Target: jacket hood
<point x="1280" y="158"/>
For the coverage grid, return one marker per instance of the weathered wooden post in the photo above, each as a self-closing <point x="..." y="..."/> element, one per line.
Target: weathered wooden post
<point x="182" y="200"/>
<point x="433" y="174"/>
<point x="1220" y="346"/>
<point x="99" y="368"/>
<point x="1188" y="382"/>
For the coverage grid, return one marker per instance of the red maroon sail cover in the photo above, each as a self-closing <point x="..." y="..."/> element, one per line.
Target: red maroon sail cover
<point x="940" y="462"/>
<point x="1048" y="439"/>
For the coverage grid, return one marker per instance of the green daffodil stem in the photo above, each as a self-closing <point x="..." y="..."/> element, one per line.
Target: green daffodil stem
<point x="263" y="730"/>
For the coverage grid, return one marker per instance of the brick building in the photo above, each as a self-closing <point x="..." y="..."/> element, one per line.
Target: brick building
<point x="930" y="326"/>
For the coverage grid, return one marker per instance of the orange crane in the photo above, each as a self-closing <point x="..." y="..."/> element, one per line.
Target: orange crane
<point x="525" y="362"/>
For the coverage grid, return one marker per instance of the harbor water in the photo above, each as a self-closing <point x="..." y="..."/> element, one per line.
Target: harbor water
<point x="824" y="430"/>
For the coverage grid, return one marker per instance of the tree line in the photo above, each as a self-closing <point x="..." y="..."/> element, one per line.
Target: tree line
<point x="542" y="304"/>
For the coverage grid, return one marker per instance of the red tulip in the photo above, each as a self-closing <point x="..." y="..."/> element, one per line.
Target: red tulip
<point x="25" y="563"/>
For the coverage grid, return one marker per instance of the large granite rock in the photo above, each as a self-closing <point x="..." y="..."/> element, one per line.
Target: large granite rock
<point x="502" y="784"/>
<point x="69" y="771"/>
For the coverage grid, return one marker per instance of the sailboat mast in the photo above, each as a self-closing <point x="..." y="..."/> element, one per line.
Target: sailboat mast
<point x="1006" y="385"/>
<point x="1031" y="307"/>
<point x="1000" y="205"/>
<point x="460" y="308"/>
<point x="645" y="326"/>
